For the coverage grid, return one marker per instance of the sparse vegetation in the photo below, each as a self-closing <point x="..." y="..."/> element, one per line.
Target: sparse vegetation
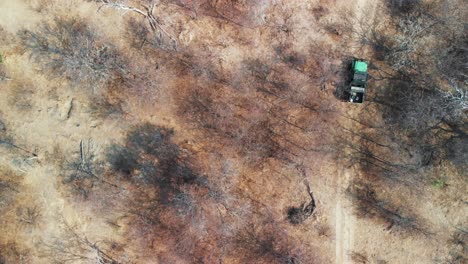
<point x="423" y="110"/>
<point x="160" y="36"/>
<point x="73" y="246"/>
<point x="20" y="96"/>
<point x="261" y="245"/>
<point x="69" y="48"/>
<point x="13" y="253"/>
<point x="149" y="157"/>
<point x="297" y="215"/>
<point x="439" y="184"/>
<point x="84" y="171"/>
<point x="144" y="131"/>
<point x="9" y="187"/>
<point x="369" y="205"/>
<point x="28" y="216"/>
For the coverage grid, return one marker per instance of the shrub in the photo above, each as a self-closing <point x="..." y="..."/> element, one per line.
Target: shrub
<point x="439" y="183"/>
<point x="69" y="48"/>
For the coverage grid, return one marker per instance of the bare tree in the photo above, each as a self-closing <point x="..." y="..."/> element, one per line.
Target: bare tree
<point x="29" y="215"/>
<point x="84" y="170"/>
<point x="72" y="246"/>
<point x="368" y="205"/>
<point x="421" y="94"/>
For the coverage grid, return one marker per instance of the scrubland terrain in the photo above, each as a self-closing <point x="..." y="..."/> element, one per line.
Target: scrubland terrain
<point x="200" y="131"/>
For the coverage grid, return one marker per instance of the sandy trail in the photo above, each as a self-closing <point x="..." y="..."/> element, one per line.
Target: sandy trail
<point x="345" y="221"/>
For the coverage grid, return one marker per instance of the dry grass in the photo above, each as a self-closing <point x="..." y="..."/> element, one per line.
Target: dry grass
<point x="142" y="149"/>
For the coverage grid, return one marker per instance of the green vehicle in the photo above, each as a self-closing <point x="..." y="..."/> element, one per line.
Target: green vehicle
<point x="359" y="81"/>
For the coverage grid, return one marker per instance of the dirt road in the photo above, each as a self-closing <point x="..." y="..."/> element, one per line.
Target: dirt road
<point x="345" y="221"/>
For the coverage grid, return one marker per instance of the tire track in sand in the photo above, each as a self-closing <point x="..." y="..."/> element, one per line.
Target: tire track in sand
<point x="345" y="221"/>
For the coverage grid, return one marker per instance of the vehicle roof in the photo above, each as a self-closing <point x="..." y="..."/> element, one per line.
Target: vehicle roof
<point x="359" y="79"/>
<point x="360" y="66"/>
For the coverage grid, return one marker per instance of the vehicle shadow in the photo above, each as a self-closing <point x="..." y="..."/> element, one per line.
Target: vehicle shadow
<point x="342" y="87"/>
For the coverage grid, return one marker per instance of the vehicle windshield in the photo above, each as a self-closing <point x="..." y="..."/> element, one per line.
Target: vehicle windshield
<point x="360" y="76"/>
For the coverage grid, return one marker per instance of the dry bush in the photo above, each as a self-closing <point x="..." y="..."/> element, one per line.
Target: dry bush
<point x="368" y="205"/>
<point x="373" y="151"/>
<point x="122" y="160"/>
<point x="20" y="95"/>
<point x="14" y="253"/>
<point x="319" y="12"/>
<point x="420" y="98"/>
<point x="172" y="203"/>
<point x="83" y="170"/>
<point x="402" y="7"/>
<point x="28" y="215"/>
<point x="451" y="59"/>
<point x="139" y="35"/>
<point x="149" y="157"/>
<point x="68" y="48"/>
<point x="151" y="29"/>
<point x="232" y="12"/>
<point x="9" y="186"/>
<point x="429" y="120"/>
<point x="227" y="119"/>
<point x="266" y="244"/>
<point x="3" y="73"/>
<point x="244" y="116"/>
<point x="188" y="224"/>
<point x="323" y="230"/>
<point x="10" y="191"/>
<point x="106" y="107"/>
<point x="457" y="151"/>
<point x="40" y="5"/>
<point x="359" y="258"/>
<point x="72" y="247"/>
<point x="288" y="56"/>
<point x="7" y="40"/>
<point x="459" y="247"/>
<point x="297" y="215"/>
<point x="8" y="141"/>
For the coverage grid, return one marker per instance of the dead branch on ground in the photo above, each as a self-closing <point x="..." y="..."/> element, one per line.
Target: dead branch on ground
<point x="147" y="11"/>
